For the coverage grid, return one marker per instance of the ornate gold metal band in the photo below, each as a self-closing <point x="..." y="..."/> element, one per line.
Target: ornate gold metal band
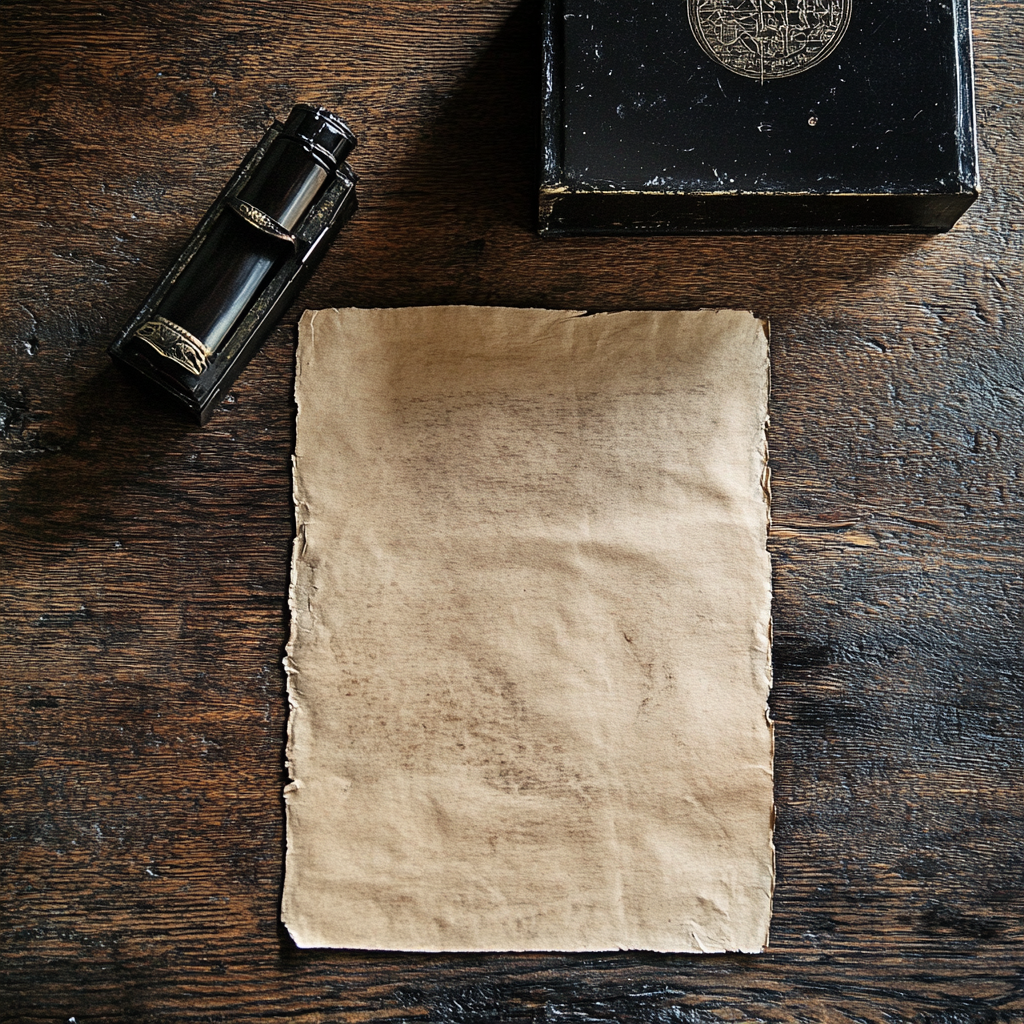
<point x="258" y="219"/>
<point x="175" y="343"/>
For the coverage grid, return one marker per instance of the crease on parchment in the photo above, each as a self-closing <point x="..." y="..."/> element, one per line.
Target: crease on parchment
<point x="348" y="883"/>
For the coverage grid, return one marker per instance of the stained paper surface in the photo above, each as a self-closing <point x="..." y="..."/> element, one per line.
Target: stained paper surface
<point x="529" y="659"/>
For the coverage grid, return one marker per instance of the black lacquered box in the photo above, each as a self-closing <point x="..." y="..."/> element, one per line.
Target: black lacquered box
<point x="756" y="116"/>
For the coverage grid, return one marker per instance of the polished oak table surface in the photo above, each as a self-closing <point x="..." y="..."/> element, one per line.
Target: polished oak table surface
<point x="145" y="560"/>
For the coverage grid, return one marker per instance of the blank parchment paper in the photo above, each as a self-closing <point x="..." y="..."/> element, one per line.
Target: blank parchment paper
<point x="529" y="659"/>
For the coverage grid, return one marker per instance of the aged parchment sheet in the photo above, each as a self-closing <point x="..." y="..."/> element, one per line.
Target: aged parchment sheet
<point x="529" y="659"/>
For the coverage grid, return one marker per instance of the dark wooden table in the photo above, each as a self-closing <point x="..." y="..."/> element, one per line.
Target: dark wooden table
<point x="145" y="561"/>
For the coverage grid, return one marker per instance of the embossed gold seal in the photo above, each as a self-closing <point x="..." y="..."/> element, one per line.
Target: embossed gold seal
<point x="768" y="39"/>
<point x="175" y="343"/>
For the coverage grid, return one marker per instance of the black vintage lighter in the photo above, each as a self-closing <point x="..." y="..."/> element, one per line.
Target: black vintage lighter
<point x="245" y="262"/>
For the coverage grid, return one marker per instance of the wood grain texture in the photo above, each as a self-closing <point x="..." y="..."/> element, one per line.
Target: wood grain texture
<point x="145" y="560"/>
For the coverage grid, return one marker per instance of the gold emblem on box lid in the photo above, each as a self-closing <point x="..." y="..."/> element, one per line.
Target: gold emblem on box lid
<point x="768" y="39"/>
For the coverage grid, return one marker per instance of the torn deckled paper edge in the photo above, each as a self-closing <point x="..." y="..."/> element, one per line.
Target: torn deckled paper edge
<point x="530" y="651"/>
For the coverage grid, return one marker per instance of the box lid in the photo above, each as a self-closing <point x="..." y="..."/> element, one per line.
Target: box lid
<point x="757" y="115"/>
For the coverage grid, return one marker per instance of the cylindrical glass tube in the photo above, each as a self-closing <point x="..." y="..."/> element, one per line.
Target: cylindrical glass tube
<point x="222" y="280"/>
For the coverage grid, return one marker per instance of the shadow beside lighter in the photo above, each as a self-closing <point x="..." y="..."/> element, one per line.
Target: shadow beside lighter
<point x="246" y="261"/>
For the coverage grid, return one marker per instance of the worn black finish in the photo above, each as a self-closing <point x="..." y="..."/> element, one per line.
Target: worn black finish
<point x="243" y="266"/>
<point x="645" y="133"/>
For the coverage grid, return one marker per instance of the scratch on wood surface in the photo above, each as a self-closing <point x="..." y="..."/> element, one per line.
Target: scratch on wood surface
<point x="849" y="532"/>
<point x="341" y="1016"/>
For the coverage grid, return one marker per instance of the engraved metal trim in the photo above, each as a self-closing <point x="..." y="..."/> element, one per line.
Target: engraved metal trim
<point x="175" y="343"/>
<point x="767" y="39"/>
<point x="258" y="219"/>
